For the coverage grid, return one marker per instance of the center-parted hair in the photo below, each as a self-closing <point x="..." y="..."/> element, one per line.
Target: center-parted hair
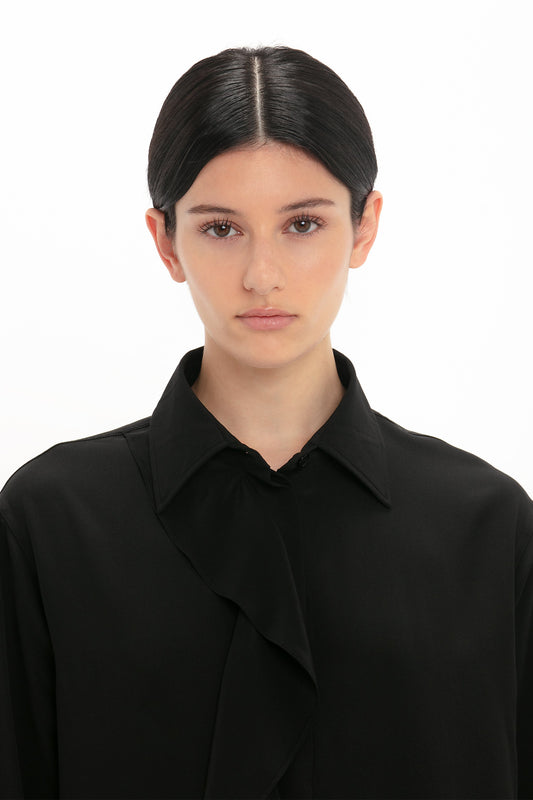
<point x="245" y="96"/>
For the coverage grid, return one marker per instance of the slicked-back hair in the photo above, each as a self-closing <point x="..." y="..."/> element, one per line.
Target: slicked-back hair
<point x="245" y="96"/>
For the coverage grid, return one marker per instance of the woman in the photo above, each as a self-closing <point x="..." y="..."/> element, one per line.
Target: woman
<point x="265" y="589"/>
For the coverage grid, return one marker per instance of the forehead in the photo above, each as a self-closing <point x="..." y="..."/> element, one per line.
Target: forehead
<point x="273" y="173"/>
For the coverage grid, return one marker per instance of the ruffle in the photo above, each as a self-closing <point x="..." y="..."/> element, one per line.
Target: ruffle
<point x="220" y="520"/>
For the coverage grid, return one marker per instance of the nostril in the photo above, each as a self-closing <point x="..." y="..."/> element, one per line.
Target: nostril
<point x="263" y="277"/>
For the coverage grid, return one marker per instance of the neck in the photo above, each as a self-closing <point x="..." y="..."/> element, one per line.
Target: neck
<point x="272" y="410"/>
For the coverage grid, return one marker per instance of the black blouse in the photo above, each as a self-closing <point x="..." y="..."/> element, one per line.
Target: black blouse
<point x="180" y="621"/>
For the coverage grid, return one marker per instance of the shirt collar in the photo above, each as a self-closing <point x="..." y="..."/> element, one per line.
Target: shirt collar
<point x="184" y="434"/>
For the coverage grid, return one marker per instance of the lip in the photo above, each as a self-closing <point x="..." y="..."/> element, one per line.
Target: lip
<point x="269" y="311"/>
<point x="266" y="319"/>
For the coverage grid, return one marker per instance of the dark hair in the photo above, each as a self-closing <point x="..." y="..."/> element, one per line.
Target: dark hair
<point x="244" y="96"/>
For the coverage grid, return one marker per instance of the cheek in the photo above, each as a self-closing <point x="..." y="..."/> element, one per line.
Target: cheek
<point x="201" y="290"/>
<point x="327" y="284"/>
<point x="330" y="269"/>
<point x="207" y="268"/>
<point x="209" y="287"/>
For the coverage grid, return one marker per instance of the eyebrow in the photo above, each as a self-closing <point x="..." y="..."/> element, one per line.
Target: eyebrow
<point x="309" y="202"/>
<point x="207" y="209"/>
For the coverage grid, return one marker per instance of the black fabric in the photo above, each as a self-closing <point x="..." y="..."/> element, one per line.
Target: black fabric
<point x="180" y="621"/>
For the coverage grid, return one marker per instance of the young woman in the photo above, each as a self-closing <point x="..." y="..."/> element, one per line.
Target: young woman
<point x="265" y="589"/>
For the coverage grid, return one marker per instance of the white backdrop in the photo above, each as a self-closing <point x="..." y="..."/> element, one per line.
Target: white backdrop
<point x="438" y="322"/>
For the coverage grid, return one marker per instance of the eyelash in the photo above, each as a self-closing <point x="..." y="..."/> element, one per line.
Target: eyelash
<point x="208" y="226"/>
<point x="307" y="218"/>
<point x="216" y="223"/>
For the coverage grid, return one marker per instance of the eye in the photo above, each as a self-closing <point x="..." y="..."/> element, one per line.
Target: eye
<point x="219" y="229"/>
<point x="304" y="224"/>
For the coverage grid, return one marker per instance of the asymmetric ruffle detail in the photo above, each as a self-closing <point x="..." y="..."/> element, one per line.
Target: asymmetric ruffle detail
<point x="268" y="690"/>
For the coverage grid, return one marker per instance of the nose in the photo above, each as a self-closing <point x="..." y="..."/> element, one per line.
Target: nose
<point x="264" y="272"/>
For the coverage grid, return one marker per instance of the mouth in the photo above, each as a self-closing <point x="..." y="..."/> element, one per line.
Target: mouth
<point x="266" y="319"/>
<point x="265" y="312"/>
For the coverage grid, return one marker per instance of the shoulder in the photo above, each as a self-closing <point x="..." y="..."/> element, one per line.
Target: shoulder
<point x="421" y="451"/>
<point x="440" y="471"/>
<point x="79" y="462"/>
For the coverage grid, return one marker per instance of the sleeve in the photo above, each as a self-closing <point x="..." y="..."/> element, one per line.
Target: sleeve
<point x="524" y="650"/>
<point x="28" y="750"/>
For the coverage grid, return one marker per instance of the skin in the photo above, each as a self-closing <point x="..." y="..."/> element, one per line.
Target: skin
<point x="271" y="388"/>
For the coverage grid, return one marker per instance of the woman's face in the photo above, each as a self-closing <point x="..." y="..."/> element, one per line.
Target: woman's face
<point x="264" y="239"/>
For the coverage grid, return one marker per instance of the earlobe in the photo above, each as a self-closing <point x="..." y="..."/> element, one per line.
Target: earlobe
<point x="155" y="220"/>
<point x="368" y="229"/>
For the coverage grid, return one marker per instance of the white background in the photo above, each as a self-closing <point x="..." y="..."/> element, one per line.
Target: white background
<point x="438" y="322"/>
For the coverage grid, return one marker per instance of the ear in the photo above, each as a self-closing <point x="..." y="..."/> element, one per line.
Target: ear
<point x="367" y="229"/>
<point x="155" y="220"/>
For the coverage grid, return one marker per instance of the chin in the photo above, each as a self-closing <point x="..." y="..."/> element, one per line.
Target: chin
<point x="269" y="353"/>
